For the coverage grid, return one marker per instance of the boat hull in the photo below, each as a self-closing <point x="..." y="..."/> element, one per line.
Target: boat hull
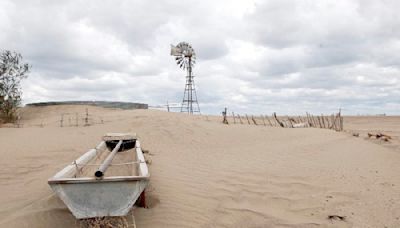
<point x="99" y="199"/>
<point x="87" y="196"/>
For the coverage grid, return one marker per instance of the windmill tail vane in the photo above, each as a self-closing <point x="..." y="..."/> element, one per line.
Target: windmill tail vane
<point x="185" y="58"/>
<point x="175" y="51"/>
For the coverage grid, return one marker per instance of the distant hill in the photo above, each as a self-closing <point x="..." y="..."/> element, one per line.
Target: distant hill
<point x="105" y="104"/>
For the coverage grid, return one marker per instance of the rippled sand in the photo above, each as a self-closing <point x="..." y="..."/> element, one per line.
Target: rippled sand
<point x="206" y="174"/>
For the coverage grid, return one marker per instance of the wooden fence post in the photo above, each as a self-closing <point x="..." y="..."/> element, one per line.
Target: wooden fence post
<point x="87" y="118"/>
<point x="308" y="120"/>
<point x="315" y="121"/>
<point x="254" y="121"/>
<point x="335" y="122"/>
<point x="327" y="121"/>
<point x="62" y="120"/>
<point x="263" y="119"/>
<point x="240" y="119"/>
<point x="248" y="121"/>
<point x="300" y="120"/>
<point x="266" y="116"/>
<point x="274" y="120"/>
<point x="290" y="121"/>
<point x="277" y="120"/>
<point x="225" y="120"/>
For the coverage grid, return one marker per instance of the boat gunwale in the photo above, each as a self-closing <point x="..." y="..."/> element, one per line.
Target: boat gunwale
<point x="96" y="180"/>
<point x="143" y="169"/>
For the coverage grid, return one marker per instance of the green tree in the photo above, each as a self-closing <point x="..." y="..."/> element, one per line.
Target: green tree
<point x="12" y="71"/>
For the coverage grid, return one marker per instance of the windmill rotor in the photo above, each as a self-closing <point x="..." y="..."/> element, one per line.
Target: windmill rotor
<point x="185" y="56"/>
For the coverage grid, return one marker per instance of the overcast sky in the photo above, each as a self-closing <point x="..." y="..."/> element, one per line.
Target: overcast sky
<point x="252" y="56"/>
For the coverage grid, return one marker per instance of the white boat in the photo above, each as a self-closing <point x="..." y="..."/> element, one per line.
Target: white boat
<point x="106" y="180"/>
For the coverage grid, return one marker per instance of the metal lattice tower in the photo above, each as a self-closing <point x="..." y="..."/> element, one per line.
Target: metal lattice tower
<point x="185" y="57"/>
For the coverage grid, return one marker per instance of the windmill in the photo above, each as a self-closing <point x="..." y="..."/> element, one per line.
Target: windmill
<point x="186" y="58"/>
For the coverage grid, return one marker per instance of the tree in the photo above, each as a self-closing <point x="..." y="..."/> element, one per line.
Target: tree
<point x="12" y="71"/>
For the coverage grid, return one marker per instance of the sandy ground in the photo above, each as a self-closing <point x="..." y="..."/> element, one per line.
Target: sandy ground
<point x="363" y="125"/>
<point x="206" y="174"/>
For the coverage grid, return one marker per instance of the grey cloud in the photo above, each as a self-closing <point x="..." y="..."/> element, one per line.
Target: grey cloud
<point x="210" y="49"/>
<point x="253" y="56"/>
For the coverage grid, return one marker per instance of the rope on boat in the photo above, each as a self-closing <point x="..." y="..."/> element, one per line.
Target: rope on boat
<point x="78" y="170"/>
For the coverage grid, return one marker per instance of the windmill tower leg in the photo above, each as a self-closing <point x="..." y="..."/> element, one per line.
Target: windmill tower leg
<point x="186" y="99"/>
<point x="190" y="95"/>
<point x="195" y="97"/>
<point x="190" y="87"/>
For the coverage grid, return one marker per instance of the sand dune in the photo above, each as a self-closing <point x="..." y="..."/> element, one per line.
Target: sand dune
<point x="206" y="174"/>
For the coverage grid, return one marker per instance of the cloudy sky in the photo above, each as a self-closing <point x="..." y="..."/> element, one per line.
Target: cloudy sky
<point x="252" y="56"/>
